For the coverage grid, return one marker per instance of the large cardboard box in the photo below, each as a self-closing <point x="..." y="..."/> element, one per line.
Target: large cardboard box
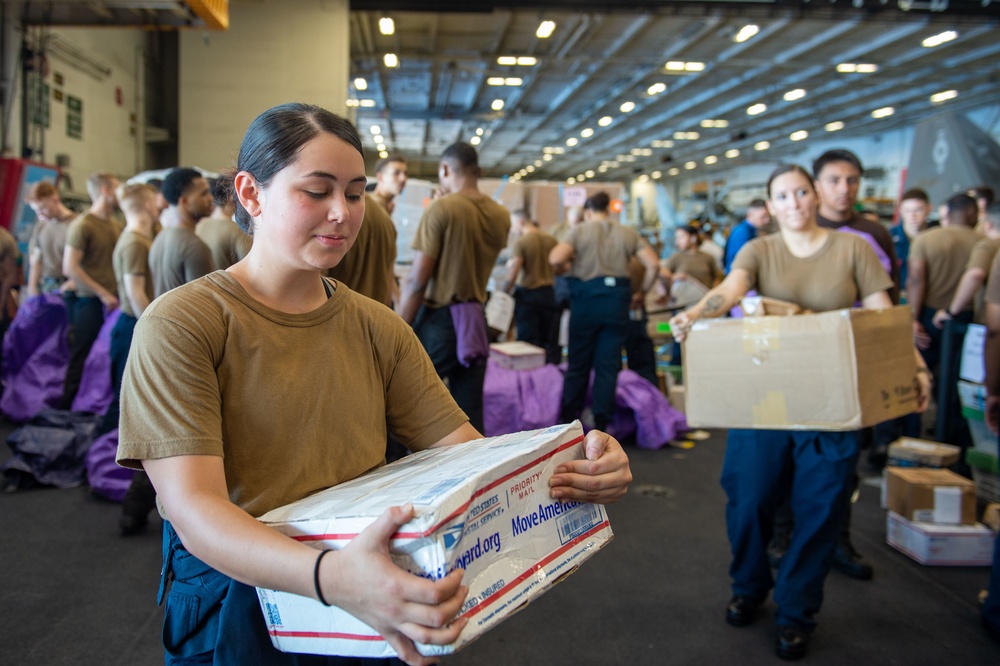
<point x="926" y="495"/>
<point x="941" y="545"/>
<point x="838" y="370"/>
<point x="911" y="452"/>
<point x="482" y="506"/>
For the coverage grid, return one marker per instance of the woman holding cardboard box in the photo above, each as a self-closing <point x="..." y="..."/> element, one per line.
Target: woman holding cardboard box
<point x="819" y="270"/>
<point x="258" y="385"/>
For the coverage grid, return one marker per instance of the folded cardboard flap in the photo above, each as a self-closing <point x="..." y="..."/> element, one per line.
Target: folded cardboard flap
<point x="758" y="306"/>
<point x="839" y="370"/>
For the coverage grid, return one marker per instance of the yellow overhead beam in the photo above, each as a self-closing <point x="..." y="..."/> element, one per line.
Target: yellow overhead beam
<point x="215" y="13"/>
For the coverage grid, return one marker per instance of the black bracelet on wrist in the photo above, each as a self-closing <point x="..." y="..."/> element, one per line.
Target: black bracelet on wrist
<point x="319" y="592"/>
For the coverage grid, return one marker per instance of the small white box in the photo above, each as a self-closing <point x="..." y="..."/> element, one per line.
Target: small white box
<point x="483" y="506"/>
<point x="940" y="545"/>
<point x="517" y="355"/>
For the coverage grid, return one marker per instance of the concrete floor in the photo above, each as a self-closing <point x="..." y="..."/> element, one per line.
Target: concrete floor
<point x="75" y="592"/>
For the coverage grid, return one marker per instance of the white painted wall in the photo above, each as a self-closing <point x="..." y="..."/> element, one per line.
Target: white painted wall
<point x="275" y="51"/>
<point x="107" y="143"/>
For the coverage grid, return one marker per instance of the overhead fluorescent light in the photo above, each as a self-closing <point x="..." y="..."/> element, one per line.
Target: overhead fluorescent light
<point x="367" y="103"/>
<point x="380" y="147"/>
<point x="547" y="157"/>
<point x="589" y="173"/>
<point x="884" y="112"/>
<point x="605" y="121"/>
<point x="383" y="154"/>
<point x="375" y="129"/>
<point x="497" y="104"/>
<point x="732" y="152"/>
<point x="799" y="135"/>
<point x="690" y="165"/>
<point x="673" y="171"/>
<point x="545" y="29"/>
<point x="657" y="175"/>
<point x="834" y="126"/>
<point x="390" y="60"/>
<point x="756" y="109"/>
<point x="571" y="180"/>
<point x="943" y="96"/>
<point x="530" y="168"/>
<point x="587" y="132"/>
<point x="378" y="138"/>
<point x="506" y="60"/>
<point x="386" y="25"/>
<point x="711" y="159"/>
<point x="513" y="81"/>
<point x="494" y="81"/>
<point x="479" y="131"/>
<point x="793" y="95"/>
<point x="627" y="106"/>
<point x="475" y="141"/>
<point x="656" y="89"/>
<point x="746" y="32"/>
<point x="527" y="61"/>
<point x="572" y="141"/>
<point x="762" y="145"/>
<point x="360" y="83"/>
<point x="939" y="39"/>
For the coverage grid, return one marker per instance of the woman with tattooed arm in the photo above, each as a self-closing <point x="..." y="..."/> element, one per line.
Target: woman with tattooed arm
<point x="819" y="270"/>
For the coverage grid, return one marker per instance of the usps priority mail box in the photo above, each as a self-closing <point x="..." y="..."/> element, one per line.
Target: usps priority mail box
<point x="483" y="506"/>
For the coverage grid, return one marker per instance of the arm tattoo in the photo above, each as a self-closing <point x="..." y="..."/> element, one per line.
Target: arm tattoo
<point x="712" y="306"/>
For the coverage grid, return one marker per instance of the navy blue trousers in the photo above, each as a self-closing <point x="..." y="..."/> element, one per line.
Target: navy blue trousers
<point x="537" y="318"/>
<point x="815" y="470"/>
<point x="598" y="328"/>
<point x="212" y="619"/>
<point x="436" y="331"/>
<point x="641" y="358"/>
<point x="991" y="608"/>
<point x="86" y="316"/>
<point x="121" y="342"/>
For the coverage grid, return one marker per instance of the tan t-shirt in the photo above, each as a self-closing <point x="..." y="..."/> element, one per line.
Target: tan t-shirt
<point x="177" y="257"/>
<point x="131" y="257"/>
<point x="368" y="266"/>
<point x="465" y="236"/>
<point x="533" y="250"/>
<point x="225" y="239"/>
<point x="842" y="272"/>
<point x="294" y="403"/>
<point x="945" y="252"/>
<point x="96" y="238"/>
<point x="992" y="291"/>
<point x="698" y="265"/>
<point x="983" y="253"/>
<point x="49" y="238"/>
<point x="602" y="248"/>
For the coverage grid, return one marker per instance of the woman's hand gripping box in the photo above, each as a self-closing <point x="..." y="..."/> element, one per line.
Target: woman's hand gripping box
<point x="483" y="506"/>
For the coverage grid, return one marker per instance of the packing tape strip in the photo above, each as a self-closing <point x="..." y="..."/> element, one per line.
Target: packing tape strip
<point x="772" y="410"/>
<point x="761" y="334"/>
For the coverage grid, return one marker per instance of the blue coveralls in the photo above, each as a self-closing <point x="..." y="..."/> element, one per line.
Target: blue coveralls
<point x="598" y="329"/>
<point x="213" y="619"/>
<point x="815" y="470"/>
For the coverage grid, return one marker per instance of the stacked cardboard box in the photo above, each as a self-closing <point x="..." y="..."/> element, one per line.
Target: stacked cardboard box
<point x="910" y="452"/>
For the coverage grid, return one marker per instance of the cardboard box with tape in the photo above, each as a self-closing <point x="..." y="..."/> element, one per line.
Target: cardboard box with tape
<point x="839" y="370"/>
<point x="927" y="495"/>
<point x="483" y="506"/>
<point x="911" y="452"/>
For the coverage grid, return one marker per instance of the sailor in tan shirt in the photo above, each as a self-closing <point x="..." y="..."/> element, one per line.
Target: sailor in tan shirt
<point x="530" y="278"/>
